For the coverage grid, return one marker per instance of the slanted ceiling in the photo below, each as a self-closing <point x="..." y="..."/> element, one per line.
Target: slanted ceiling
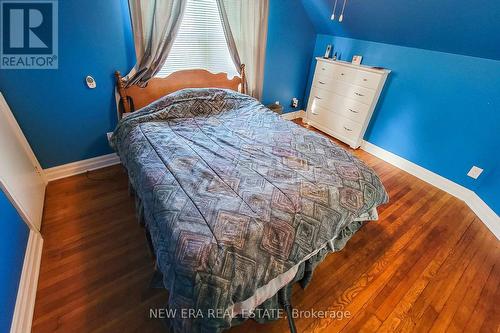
<point x="467" y="27"/>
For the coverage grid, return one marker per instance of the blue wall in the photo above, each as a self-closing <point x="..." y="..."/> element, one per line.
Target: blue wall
<point x="489" y="186"/>
<point x="63" y="120"/>
<point x="438" y="110"/>
<point x="288" y="53"/>
<point x="465" y="27"/>
<point x="13" y="240"/>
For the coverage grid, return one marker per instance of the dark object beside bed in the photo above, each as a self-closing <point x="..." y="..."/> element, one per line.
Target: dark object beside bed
<point x="238" y="202"/>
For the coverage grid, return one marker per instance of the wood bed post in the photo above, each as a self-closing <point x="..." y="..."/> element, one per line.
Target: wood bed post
<point x="243" y="79"/>
<point x="123" y="94"/>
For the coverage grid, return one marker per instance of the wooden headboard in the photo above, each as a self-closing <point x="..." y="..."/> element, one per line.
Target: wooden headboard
<point x="159" y="87"/>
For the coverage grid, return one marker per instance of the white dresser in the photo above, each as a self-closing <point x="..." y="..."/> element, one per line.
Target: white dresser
<point x="343" y="97"/>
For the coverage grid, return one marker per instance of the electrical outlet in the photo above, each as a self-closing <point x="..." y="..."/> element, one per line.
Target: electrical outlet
<point x="475" y="172"/>
<point x="295" y="102"/>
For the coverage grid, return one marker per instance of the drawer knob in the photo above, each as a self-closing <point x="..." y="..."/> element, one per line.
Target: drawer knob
<point x="321" y="82"/>
<point x="358" y="94"/>
<point x="347" y="129"/>
<point x="365" y="80"/>
<point x="342" y="74"/>
<point x="323" y="69"/>
<point x="318" y="97"/>
<point x="353" y="111"/>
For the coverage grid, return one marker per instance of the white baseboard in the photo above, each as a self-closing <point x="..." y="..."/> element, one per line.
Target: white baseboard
<point x="484" y="212"/>
<point x="294" y="115"/>
<point x="26" y="294"/>
<point x="416" y="170"/>
<point x="79" y="167"/>
<point x="480" y="208"/>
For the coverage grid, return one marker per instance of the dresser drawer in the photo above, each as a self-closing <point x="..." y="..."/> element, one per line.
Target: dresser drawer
<point x="346" y="107"/>
<point x="364" y="79"/>
<point x="360" y="77"/>
<point x="322" y="116"/>
<point x="335" y="122"/>
<point x="349" y="128"/>
<point x="361" y="94"/>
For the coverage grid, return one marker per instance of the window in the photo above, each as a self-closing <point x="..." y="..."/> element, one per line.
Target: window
<point x="200" y="42"/>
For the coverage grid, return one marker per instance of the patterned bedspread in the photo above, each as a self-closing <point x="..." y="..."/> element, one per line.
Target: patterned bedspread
<point x="236" y="198"/>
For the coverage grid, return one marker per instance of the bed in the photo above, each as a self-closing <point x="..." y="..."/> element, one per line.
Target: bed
<point x="238" y="203"/>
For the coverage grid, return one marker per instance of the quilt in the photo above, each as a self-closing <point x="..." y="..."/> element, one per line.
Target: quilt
<point x="238" y="201"/>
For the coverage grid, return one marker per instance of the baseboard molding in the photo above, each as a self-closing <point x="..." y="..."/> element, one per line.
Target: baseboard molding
<point x="79" y="167"/>
<point x="480" y="208"/>
<point x="294" y="115"/>
<point x="484" y="212"/>
<point x="26" y="294"/>
<point x="416" y="170"/>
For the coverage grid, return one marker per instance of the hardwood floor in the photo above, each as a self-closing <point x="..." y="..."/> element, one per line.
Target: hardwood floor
<point x="428" y="265"/>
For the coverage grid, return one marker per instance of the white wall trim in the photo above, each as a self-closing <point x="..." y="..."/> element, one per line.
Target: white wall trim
<point x="484" y="213"/>
<point x="4" y="107"/>
<point x="294" y="115"/>
<point x="26" y="294"/>
<point x="79" y="167"/>
<point x="482" y="210"/>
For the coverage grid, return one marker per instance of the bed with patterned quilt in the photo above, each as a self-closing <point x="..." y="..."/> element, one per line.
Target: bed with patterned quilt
<point x="238" y="202"/>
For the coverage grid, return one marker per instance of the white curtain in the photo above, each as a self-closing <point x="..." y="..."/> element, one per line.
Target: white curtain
<point x="155" y="24"/>
<point x="201" y="41"/>
<point x="247" y="20"/>
<point x="231" y="44"/>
